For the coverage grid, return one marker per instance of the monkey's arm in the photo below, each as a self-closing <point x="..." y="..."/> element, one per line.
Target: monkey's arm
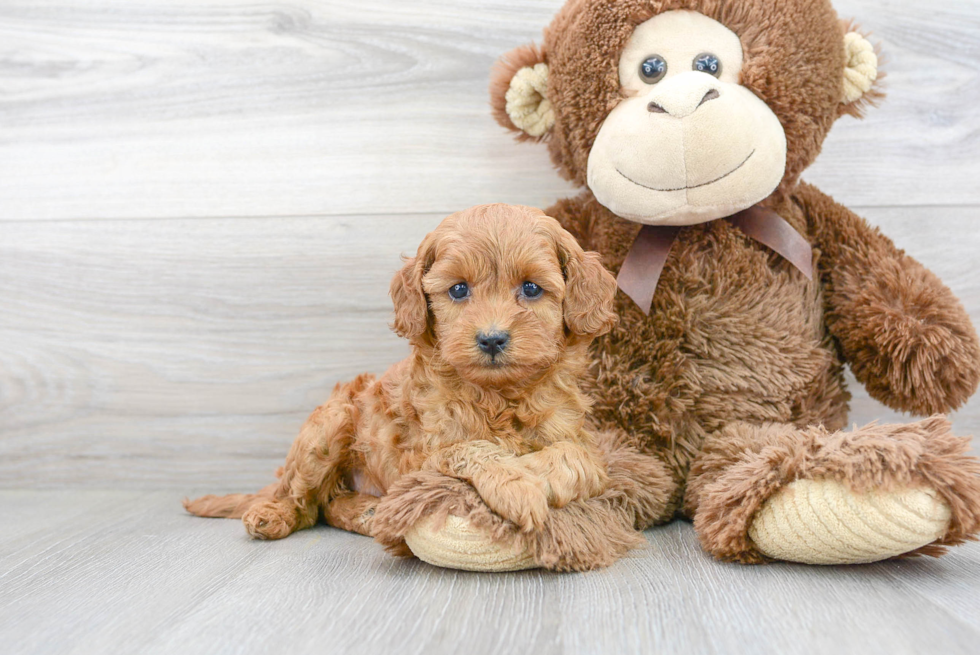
<point x="906" y="336"/>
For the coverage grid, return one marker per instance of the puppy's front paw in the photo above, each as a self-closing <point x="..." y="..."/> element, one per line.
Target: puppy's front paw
<point x="521" y="500"/>
<point x="269" y="519"/>
<point x="580" y="482"/>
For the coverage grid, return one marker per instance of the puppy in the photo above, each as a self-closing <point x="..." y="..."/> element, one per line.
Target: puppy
<point x="500" y="306"/>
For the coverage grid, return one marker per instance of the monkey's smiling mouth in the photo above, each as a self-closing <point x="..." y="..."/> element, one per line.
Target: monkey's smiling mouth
<point x="687" y="188"/>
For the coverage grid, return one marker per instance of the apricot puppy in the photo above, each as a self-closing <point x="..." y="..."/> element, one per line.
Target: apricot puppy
<point x="500" y="306"/>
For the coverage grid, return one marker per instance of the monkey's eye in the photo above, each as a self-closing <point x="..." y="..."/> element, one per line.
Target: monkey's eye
<point x="531" y="290"/>
<point x="707" y="63"/>
<point x="459" y="291"/>
<point x="653" y="69"/>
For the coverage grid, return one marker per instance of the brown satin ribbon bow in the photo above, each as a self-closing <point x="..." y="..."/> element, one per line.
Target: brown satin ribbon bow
<point x="642" y="267"/>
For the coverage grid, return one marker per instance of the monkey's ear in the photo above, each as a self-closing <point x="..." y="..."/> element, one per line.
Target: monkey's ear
<point x="861" y="73"/>
<point x="519" y="92"/>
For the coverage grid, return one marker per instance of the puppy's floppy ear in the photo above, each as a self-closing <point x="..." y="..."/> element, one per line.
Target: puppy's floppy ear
<point x="519" y="93"/>
<point x="411" y="305"/>
<point x="589" y="289"/>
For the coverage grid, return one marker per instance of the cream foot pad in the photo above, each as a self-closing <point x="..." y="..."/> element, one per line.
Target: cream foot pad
<point x="457" y="545"/>
<point x="823" y="522"/>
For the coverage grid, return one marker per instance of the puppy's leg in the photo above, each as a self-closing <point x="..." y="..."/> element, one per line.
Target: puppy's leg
<point x="314" y="469"/>
<point x="504" y="484"/>
<point x="352" y="512"/>
<point x="571" y="471"/>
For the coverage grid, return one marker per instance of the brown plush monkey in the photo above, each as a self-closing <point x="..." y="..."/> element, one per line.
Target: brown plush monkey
<point x="744" y="292"/>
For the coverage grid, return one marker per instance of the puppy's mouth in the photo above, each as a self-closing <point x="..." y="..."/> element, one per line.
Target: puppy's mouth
<point x="495" y="362"/>
<point x="688" y="188"/>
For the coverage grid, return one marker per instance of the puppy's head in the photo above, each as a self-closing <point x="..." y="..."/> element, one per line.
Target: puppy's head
<point x="499" y="292"/>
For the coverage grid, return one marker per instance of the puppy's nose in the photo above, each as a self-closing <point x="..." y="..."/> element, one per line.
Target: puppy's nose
<point x="493" y="342"/>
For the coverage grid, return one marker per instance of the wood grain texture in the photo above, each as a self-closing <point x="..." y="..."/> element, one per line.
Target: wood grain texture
<point x="182" y="353"/>
<point x="118" y="572"/>
<point x="203" y="108"/>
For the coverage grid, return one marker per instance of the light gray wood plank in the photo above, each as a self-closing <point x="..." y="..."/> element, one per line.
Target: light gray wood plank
<point x="129" y="572"/>
<point x="122" y="341"/>
<point x="136" y="109"/>
<point x="185" y="354"/>
<point x="954" y="587"/>
<point x="226" y="108"/>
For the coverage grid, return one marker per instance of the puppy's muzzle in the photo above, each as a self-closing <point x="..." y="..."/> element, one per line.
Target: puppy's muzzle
<point x="492" y="343"/>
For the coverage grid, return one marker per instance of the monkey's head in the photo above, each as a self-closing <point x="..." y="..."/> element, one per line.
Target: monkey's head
<point x="677" y="112"/>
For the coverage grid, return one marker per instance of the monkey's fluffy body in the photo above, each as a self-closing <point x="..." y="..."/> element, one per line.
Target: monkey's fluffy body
<point x="734" y="331"/>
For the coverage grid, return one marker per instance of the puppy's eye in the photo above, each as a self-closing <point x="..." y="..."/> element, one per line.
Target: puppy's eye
<point x="459" y="291"/>
<point x="653" y="69"/>
<point x="531" y="290"/>
<point x="707" y="63"/>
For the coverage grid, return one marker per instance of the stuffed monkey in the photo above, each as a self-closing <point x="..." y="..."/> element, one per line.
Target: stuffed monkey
<point x="744" y="292"/>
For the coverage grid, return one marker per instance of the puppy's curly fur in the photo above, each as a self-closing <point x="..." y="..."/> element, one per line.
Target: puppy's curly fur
<point x="510" y="423"/>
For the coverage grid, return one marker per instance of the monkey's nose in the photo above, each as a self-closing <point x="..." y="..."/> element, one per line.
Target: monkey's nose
<point x="493" y="342"/>
<point x="655" y="108"/>
<point x="681" y="96"/>
<point x="710" y="95"/>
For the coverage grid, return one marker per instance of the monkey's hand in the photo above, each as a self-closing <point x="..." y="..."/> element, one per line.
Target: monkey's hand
<point x="907" y="338"/>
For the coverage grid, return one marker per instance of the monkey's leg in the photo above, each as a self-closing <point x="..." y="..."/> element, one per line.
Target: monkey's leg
<point x="774" y="491"/>
<point x="446" y="523"/>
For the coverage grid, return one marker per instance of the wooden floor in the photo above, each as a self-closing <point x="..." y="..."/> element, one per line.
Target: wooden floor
<point x="201" y="205"/>
<point x="128" y="572"/>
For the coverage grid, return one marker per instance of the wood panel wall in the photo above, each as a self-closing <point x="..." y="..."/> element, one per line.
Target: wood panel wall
<point x="202" y="203"/>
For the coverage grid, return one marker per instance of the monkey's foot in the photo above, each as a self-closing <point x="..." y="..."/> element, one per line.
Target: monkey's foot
<point x="457" y="544"/>
<point x="443" y="520"/>
<point x="775" y="491"/>
<point x="824" y="522"/>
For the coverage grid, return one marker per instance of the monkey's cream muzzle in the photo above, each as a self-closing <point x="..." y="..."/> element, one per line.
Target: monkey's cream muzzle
<point x="690" y="147"/>
<point x="658" y="158"/>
